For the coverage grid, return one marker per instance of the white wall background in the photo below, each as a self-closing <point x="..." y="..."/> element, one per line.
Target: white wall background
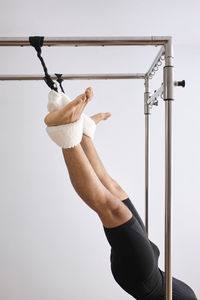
<point x="52" y="246"/>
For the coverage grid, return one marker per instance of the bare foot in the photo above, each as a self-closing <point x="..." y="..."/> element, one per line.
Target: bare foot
<point x="100" y="116"/>
<point x="71" y="112"/>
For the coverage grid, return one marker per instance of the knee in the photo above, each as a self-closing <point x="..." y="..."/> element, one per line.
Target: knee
<point x="110" y="205"/>
<point x="113" y="214"/>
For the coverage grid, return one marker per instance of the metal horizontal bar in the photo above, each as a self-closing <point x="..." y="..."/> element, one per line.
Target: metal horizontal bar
<point x="156" y="60"/>
<point x="75" y="77"/>
<point x="87" y="41"/>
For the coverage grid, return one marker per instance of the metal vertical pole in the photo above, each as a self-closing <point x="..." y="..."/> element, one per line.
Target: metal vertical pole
<point x="146" y="113"/>
<point x="168" y="97"/>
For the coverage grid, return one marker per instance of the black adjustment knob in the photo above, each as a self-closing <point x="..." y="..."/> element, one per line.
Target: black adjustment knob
<point x="181" y="83"/>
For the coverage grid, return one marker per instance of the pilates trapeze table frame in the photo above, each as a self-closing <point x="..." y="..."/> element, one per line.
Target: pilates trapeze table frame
<point x="165" y="53"/>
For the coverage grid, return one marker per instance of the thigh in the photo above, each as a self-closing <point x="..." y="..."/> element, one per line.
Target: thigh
<point x="135" y="213"/>
<point x="133" y="261"/>
<point x="130" y="245"/>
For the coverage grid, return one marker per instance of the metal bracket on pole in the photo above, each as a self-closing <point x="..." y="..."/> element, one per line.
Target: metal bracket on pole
<point x="154" y="98"/>
<point x="146" y="97"/>
<point x="156" y="63"/>
<point x="168" y="83"/>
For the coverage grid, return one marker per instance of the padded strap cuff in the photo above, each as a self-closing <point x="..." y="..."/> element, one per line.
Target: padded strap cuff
<point x="89" y="126"/>
<point x="68" y="135"/>
<point x="57" y="100"/>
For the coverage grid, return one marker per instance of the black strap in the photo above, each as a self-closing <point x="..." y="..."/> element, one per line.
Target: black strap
<point x="37" y="43"/>
<point x="60" y="80"/>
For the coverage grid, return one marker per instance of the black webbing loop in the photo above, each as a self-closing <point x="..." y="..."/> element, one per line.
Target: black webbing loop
<point x="37" y="43"/>
<point x="60" y="80"/>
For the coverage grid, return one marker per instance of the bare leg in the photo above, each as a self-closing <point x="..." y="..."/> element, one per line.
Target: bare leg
<point x="88" y="186"/>
<point x="110" y="209"/>
<point x="95" y="161"/>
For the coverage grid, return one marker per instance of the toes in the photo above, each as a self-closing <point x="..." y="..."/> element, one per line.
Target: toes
<point x="80" y="99"/>
<point x="107" y="115"/>
<point x="89" y="90"/>
<point x="89" y="93"/>
<point x="100" y="116"/>
<point x="83" y="98"/>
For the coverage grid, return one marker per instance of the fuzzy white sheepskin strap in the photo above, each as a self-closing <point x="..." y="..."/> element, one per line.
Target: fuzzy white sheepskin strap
<point x="68" y="135"/>
<point x="59" y="100"/>
<point x="89" y="126"/>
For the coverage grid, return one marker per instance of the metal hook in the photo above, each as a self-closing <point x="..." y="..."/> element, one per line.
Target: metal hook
<point x="155" y="69"/>
<point x="152" y="73"/>
<point x="162" y="57"/>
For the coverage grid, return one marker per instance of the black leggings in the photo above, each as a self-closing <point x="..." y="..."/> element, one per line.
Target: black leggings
<point x="134" y="262"/>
